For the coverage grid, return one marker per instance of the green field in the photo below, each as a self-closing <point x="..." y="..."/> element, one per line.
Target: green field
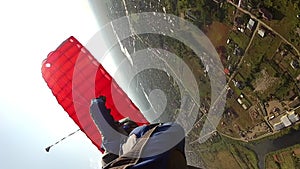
<point x="285" y="21"/>
<point x="220" y="152"/>
<point x="288" y="158"/>
<point x="240" y="38"/>
<point x="260" y="50"/>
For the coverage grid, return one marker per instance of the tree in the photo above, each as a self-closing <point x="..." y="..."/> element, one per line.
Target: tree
<point x="268" y="3"/>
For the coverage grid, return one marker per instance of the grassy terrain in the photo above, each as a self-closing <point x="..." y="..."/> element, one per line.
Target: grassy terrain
<point x="260" y="58"/>
<point x="285" y="20"/>
<point x="285" y="63"/>
<point x="260" y="49"/>
<point x="244" y="156"/>
<point x="240" y="38"/>
<point x="223" y="153"/>
<point x="284" y="159"/>
<point x="203" y="81"/>
<point x="244" y="120"/>
<point x="217" y="32"/>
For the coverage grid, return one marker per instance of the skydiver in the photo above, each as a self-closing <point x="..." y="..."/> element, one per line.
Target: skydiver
<point x="163" y="147"/>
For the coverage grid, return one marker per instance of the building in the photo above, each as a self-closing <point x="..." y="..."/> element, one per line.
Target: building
<point x="227" y="71"/>
<point x="239" y="101"/>
<point x="278" y="126"/>
<point x="295" y="103"/>
<point x="244" y="106"/>
<point x="239" y="22"/>
<point x="241" y="29"/>
<point x="292" y="95"/>
<point x="251" y="24"/>
<point x="266" y="14"/>
<point x="280" y="122"/>
<point x="292" y="116"/>
<point x="261" y="32"/>
<point x="190" y="15"/>
<point x="284" y="120"/>
<point x="238" y="51"/>
<point x="238" y="84"/>
<point x="294" y="64"/>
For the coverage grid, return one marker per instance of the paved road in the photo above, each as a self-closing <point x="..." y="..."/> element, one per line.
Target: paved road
<point x="265" y="25"/>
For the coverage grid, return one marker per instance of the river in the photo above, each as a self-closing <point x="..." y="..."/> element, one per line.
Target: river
<point x="264" y="147"/>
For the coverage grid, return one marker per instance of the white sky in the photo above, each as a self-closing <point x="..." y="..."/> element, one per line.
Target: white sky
<point x="30" y="117"/>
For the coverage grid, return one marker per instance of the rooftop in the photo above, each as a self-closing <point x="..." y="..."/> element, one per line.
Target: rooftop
<point x="295" y="103"/>
<point x="266" y="14"/>
<point x="250" y="24"/>
<point x="285" y="120"/>
<point x="262" y="32"/>
<point x="294" y="64"/>
<point x="293" y="117"/>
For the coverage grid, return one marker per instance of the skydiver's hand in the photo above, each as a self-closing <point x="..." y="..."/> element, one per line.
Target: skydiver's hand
<point x="111" y="138"/>
<point x="98" y="107"/>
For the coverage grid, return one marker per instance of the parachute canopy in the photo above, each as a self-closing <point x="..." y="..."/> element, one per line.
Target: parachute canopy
<point x="75" y="77"/>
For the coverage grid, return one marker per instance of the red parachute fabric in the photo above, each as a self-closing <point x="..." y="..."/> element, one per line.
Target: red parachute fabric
<point x="75" y="77"/>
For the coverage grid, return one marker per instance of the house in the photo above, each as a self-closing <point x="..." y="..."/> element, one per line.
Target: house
<point x="190" y="15"/>
<point x="226" y="71"/>
<point x="291" y="95"/>
<point x="276" y="123"/>
<point x="238" y="21"/>
<point x="293" y="117"/>
<point x="295" y="103"/>
<point x="238" y="85"/>
<point x="295" y="64"/>
<point x="266" y="14"/>
<point x="284" y="52"/>
<point x="243" y="4"/>
<point x="244" y="106"/>
<point x="284" y="120"/>
<point x="238" y="51"/>
<point x="239" y="101"/>
<point x="241" y="29"/>
<point x="228" y="41"/>
<point x="261" y="32"/>
<point x="278" y="126"/>
<point x="251" y="24"/>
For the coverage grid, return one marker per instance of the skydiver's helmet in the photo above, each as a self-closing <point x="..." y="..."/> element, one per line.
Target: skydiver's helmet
<point x="128" y="125"/>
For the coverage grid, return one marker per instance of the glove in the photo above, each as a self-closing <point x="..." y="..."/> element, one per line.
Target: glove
<point x="98" y="107"/>
<point x="108" y="127"/>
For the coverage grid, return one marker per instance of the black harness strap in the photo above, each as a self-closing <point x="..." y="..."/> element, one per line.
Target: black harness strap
<point x="127" y="160"/>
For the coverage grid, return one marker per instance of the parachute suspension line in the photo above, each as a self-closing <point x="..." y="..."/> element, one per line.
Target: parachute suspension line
<point x="48" y="148"/>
